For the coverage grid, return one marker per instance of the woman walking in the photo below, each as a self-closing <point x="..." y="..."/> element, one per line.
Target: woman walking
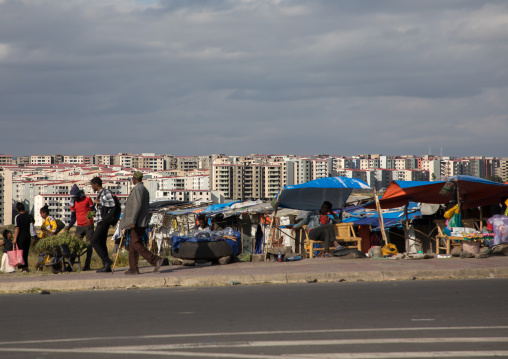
<point x="22" y="233"/>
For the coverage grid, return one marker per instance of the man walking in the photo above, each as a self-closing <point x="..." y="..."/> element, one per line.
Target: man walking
<point x="81" y="206"/>
<point x="136" y="218"/>
<point x="104" y="203"/>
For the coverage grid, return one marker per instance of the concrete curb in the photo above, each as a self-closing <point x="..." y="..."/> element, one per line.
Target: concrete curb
<point x="248" y="279"/>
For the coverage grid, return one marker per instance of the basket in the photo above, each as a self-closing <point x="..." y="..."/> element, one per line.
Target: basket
<point x="472" y="247"/>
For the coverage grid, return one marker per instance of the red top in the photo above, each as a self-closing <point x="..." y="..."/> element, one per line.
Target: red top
<point x="82" y="207"/>
<point x="323" y="219"/>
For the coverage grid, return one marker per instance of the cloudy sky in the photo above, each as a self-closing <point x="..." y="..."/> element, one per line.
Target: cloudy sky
<point x="254" y="76"/>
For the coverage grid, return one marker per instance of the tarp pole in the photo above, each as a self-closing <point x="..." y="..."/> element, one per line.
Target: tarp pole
<point x="406" y="226"/>
<point x="481" y="218"/>
<point x="380" y="217"/>
<point x="458" y="201"/>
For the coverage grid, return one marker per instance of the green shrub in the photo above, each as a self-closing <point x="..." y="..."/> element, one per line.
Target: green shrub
<point x="48" y="244"/>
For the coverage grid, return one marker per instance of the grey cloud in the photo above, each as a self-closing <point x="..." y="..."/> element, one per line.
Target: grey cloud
<point x="192" y="77"/>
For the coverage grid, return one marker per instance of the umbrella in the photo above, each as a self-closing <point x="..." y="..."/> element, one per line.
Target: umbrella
<point x="311" y="195"/>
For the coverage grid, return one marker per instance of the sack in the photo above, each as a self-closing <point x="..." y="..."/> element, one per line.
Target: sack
<point x="16" y="257"/>
<point x="59" y="225"/>
<point x="389" y="249"/>
<point x="111" y="215"/>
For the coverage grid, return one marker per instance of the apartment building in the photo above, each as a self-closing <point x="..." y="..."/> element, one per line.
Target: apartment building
<point x="23" y="160"/>
<point x="5" y="197"/>
<point x="410" y="175"/>
<point x="41" y="160"/>
<point x="73" y="160"/>
<point x="5" y="160"/>
<point x="320" y="168"/>
<point x="502" y="170"/>
<point x="186" y="195"/>
<point x="433" y="167"/>
<point x="107" y="160"/>
<point x="124" y="160"/>
<point x="148" y="160"/>
<point x="379" y="178"/>
<point x="187" y="163"/>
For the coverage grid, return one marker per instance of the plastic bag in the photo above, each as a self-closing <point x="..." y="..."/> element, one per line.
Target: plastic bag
<point x="449" y="213"/>
<point x="455" y="221"/>
<point x="16" y="257"/>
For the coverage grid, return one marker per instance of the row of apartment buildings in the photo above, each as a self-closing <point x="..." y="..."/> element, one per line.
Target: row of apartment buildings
<point x="128" y="160"/>
<point x="207" y="178"/>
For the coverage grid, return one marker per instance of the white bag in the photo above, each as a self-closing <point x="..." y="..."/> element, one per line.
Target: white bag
<point x="6" y="267"/>
<point x="33" y="232"/>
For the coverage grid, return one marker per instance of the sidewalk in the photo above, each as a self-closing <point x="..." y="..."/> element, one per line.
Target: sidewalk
<point x="307" y="270"/>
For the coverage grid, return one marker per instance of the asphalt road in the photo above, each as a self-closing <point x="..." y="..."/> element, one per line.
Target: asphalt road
<point x="413" y="319"/>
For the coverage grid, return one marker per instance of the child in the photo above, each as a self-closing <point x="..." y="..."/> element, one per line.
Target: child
<point x="7" y="243"/>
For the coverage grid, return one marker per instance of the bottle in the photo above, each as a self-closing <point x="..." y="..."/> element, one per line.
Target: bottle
<point x="279" y="257"/>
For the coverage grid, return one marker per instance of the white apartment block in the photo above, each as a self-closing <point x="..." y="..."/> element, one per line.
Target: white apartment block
<point x="303" y="170"/>
<point x="5" y="197"/>
<point x="433" y="167"/>
<point x="502" y="170"/>
<point x="403" y="163"/>
<point x="5" y="160"/>
<point x="124" y="160"/>
<point x="186" y="195"/>
<point x="369" y="163"/>
<point x="410" y="175"/>
<point x="321" y="168"/>
<point x="155" y="163"/>
<point x="107" y="160"/>
<point x="272" y="181"/>
<point x="386" y="162"/>
<point x="79" y="159"/>
<point x="450" y="168"/>
<point x="73" y="160"/>
<point x="40" y="160"/>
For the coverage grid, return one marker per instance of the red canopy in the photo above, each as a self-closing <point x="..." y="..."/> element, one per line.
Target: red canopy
<point x="473" y="192"/>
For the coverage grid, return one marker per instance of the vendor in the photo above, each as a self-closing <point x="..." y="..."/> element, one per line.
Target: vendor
<point x="202" y="224"/>
<point x="320" y="226"/>
<point x="498" y="224"/>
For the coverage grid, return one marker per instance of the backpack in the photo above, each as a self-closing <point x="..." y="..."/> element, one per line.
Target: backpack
<point x="111" y="215"/>
<point x="59" y="225"/>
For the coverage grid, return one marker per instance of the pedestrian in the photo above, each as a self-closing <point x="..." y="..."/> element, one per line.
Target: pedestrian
<point x="136" y="218"/>
<point x="22" y="236"/>
<point x="81" y="207"/>
<point x="104" y="203"/>
<point x="7" y="244"/>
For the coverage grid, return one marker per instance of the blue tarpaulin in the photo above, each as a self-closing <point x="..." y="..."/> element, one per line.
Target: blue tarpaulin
<point x="218" y="206"/>
<point x="234" y="244"/>
<point x="311" y="195"/>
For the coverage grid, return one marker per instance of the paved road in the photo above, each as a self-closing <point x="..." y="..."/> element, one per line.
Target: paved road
<point x="413" y="319"/>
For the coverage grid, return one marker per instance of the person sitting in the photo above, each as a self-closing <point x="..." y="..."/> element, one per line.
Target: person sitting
<point x="202" y="224"/>
<point x="320" y="226"/>
<point x="7" y="244"/>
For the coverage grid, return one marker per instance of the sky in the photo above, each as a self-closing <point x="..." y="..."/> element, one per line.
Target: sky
<point x="254" y="76"/>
